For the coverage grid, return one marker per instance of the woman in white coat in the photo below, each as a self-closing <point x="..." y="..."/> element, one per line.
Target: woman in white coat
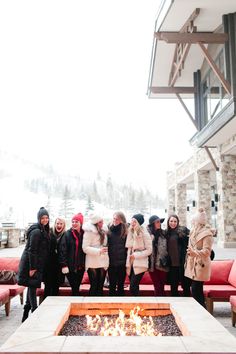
<point x="139" y="246"/>
<point x="95" y="248"/>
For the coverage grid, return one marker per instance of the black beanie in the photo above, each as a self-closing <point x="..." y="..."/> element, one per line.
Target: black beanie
<point x="42" y="211"/>
<point x="139" y="218"/>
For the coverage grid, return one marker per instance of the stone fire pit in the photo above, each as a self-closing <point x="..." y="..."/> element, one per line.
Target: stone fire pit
<point x="201" y="332"/>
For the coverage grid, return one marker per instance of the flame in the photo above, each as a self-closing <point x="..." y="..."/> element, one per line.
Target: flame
<point x="121" y="326"/>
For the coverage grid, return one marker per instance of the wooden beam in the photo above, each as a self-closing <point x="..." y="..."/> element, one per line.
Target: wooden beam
<point x="211" y="158"/>
<point x="172" y="89"/>
<point x="187" y="111"/>
<point x="179" y="65"/>
<point x="215" y="68"/>
<point x="189" y="23"/>
<point x="203" y="37"/>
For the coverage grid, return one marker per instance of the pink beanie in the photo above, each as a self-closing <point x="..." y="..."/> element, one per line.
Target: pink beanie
<point x="200" y="217"/>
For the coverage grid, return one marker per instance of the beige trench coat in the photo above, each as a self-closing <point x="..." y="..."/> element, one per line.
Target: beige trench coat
<point x="198" y="266"/>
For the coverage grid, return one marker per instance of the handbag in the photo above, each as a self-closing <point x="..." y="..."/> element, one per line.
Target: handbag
<point x="32" y="282"/>
<point x="8" y="277"/>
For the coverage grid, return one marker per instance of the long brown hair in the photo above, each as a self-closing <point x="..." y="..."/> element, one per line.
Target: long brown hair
<point x="101" y="233"/>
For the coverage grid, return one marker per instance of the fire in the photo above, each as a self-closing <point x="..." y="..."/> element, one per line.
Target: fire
<point x="122" y="326"/>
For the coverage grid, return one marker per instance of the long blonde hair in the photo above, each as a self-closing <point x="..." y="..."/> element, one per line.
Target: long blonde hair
<point x="62" y="231"/>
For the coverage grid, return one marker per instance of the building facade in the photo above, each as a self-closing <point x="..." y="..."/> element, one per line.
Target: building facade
<point x="194" y="59"/>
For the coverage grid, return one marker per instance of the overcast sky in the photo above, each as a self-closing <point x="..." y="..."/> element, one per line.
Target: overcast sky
<point x="73" y="81"/>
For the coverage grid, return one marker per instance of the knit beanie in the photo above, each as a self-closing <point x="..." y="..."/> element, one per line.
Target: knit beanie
<point x="139" y="218"/>
<point x="200" y="217"/>
<point x="42" y="211"/>
<point x="78" y="217"/>
<point x="94" y="218"/>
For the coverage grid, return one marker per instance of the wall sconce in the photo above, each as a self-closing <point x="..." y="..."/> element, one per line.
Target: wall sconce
<point x="194" y="203"/>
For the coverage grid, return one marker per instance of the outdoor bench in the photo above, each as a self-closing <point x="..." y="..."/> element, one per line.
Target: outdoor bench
<point x="222" y="283"/>
<point x="12" y="264"/>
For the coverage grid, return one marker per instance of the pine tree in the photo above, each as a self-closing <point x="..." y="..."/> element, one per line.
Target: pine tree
<point x="90" y="206"/>
<point x="67" y="208"/>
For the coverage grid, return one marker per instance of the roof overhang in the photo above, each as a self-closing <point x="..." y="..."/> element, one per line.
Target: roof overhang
<point x="172" y="28"/>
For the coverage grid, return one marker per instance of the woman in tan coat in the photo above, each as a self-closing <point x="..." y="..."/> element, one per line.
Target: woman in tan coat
<point x="198" y="262"/>
<point x="139" y="246"/>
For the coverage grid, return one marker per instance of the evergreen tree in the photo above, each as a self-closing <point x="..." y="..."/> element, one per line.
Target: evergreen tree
<point x="67" y="208"/>
<point x="90" y="206"/>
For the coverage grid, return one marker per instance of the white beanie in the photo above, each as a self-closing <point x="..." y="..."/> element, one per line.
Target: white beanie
<point x="200" y="217"/>
<point x="94" y="218"/>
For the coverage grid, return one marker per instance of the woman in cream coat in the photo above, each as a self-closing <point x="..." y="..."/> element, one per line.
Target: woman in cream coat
<point x="139" y="246"/>
<point x="198" y="262"/>
<point x="95" y="248"/>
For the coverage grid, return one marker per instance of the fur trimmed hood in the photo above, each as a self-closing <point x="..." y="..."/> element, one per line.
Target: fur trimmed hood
<point x="89" y="227"/>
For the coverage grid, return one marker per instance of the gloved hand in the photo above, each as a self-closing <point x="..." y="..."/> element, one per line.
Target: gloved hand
<point x="65" y="270"/>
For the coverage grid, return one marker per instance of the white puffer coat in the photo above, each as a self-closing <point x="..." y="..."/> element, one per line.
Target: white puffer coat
<point x="92" y="246"/>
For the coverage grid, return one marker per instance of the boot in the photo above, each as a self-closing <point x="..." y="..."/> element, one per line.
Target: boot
<point x="26" y="312"/>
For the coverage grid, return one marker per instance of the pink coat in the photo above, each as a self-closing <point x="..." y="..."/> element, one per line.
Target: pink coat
<point x="198" y="266"/>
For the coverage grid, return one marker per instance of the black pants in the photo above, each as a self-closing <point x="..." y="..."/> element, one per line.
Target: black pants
<point x="31" y="299"/>
<point x="197" y="292"/>
<point x="174" y="280"/>
<point x="75" y="279"/>
<point x="96" y="279"/>
<point x="117" y="276"/>
<point x="186" y="286"/>
<point x="135" y="280"/>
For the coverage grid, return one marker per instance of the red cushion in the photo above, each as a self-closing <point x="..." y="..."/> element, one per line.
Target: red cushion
<point x="85" y="279"/>
<point x="14" y="289"/>
<point x="232" y="300"/>
<point x="9" y="263"/>
<point x="146" y="279"/>
<point x="220" y="272"/>
<point x="232" y="275"/>
<point x="4" y="295"/>
<point x="219" y="291"/>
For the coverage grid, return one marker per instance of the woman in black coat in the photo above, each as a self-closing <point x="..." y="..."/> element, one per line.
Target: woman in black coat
<point x="117" y="254"/>
<point x="34" y="259"/>
<point x="177" y="243"/>
<point x="71" y="255"/>
<point x="53" y="276"/>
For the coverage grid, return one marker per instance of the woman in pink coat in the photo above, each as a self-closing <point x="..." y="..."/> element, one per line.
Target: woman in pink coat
<point x="198" y="262"/>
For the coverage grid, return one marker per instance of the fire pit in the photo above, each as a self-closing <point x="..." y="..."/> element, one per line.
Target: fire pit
<point x="201" y="333"/>
<point x="136" y="323"/>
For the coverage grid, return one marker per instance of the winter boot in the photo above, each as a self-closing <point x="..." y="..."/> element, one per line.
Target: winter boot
<point x="26" y="312"/>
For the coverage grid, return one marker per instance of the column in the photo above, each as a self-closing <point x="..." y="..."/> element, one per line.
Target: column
<point x="202" y="184"/>
<point x="226" y="188"/>
<point x="171" y="201"/>
<point x="181" y="203"/>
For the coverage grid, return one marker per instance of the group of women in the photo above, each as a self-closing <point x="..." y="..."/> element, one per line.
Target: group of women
<point x="173" y="255"/>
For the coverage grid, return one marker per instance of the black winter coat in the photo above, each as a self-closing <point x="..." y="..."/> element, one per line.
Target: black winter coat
<point x="34" y="256"/>
<point x="182" y="233"/>
<point x="116" y="246"/>
<point x="71" y="254"/>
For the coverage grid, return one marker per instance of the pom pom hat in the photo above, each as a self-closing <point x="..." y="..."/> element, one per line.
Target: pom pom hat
<point x="78" y="217"/>
<point x="200" y="217"/>
<point x="94" y="218"/>
<point x="42" y="211"/>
